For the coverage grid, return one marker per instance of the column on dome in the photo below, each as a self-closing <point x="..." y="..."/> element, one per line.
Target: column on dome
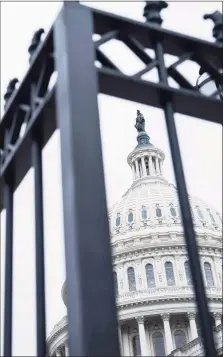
<point x="218" y="270"/>
<point x="193" y="326"/>
<point x="142" y="336"/>
<point x="138" y="173"/>
<point x="168" y="335"/>
<point x="150" y="353"/>
<point x="133" y="170"/>
<point x="218" y="318"/>
<point x="136" y="169"/>
<point x="58" y="352"/>
<point x="126" y="350"/>
<point x="140" y="167"/>
<point x="157" y="165"/>
<point x="120" y="278"/>
<point x="66" y="350"/>
<point x="120" y="340"/>
<point x="154" y="165"/>
<point x="151" y="171"/>
<point x="159" y="172"/>
<point x="144" y="173"/>
<point x="159" y="270"/>
<point x="161" y="167"/>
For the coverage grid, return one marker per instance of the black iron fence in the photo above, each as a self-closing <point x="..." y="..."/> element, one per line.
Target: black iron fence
<point x="71" y="106"/>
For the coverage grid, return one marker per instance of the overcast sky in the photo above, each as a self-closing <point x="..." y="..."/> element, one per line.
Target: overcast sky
<point x="201" y="145"/>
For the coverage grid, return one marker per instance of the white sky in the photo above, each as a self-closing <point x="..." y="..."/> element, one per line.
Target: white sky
<point x="201" y="146"/>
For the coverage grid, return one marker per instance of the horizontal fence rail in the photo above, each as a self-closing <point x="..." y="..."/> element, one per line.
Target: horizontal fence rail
<point x="186" y="100"/>
<point x="36" y="109"/>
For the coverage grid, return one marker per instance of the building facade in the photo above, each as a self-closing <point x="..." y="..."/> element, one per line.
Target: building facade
<point x="155" y="297"/>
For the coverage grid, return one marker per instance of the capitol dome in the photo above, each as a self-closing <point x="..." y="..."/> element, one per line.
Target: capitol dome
<point x="151" y="203"/>
<point x="154" y="294"/>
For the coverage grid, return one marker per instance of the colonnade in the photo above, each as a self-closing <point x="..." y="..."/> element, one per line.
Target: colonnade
<point x="146" y="166"/>
<point x="62" y="350"/>
<point x="146" y="349"/>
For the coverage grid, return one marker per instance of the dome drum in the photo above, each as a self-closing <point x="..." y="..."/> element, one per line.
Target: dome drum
<point x="154" y="205"/>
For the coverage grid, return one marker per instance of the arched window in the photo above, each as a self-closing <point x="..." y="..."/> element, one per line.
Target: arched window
<point x="136" y="346"/>
<point x="169" y="273"/>
<point x="130" y="217"/>
<point x="208" y="274"/>
<point x="158" y="211"/>
<point x="200" y="214"/>
<point x="158" y="344"/>
<point x="211" y="216"/>
<point x="131" y="279"/>
<point x="188" y="273"/>
<point x="115" y="283"/>
<point x="150" y="275"/>
<point x="180" y="338"/>
<point x="144" y="212"/>
<point x="172" y="210"/>
<point x="118" y="220"/>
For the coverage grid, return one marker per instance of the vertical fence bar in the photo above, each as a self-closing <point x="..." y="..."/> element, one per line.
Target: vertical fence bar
<point x="39" y="248"/>
<point x="8" y="197"/>
<point x="190" y="238"/>
<point x="92" y="318"/>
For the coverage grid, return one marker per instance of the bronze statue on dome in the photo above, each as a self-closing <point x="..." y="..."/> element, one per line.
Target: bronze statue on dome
<point x="140" y="122"/>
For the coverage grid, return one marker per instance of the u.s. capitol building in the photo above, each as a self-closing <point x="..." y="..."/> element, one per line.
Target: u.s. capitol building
<point x="155" y="298"/>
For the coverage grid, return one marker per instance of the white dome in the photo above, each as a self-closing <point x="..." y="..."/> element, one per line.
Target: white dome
<point x="141" y="206"/>
<point x="151" y="203"/>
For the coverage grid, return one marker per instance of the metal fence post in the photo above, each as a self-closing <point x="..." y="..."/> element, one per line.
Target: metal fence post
<point x="92" y="325"/>
<point x="39" y="239"/>
<point x="8" y="199"/>
<point x="190" y="237"/>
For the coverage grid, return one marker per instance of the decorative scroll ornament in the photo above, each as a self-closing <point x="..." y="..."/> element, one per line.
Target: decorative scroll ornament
<point x="35" y="42"/>
<point x="217" y="19"/>
<point x="152" y="11"/>
<point x="10" y="90"/>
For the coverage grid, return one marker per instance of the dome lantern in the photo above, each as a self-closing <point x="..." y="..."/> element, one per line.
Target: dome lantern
<point x="145" y="160"/>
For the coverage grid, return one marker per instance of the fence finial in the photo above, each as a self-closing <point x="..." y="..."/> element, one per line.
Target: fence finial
<point x="10" y="89"/>
<point x="152" y="11"/>
<point x="35" y="42"/>
<point x="217" y="19"/>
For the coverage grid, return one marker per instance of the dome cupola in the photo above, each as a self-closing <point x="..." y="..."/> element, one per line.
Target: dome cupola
<point x="145" y="160"/>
